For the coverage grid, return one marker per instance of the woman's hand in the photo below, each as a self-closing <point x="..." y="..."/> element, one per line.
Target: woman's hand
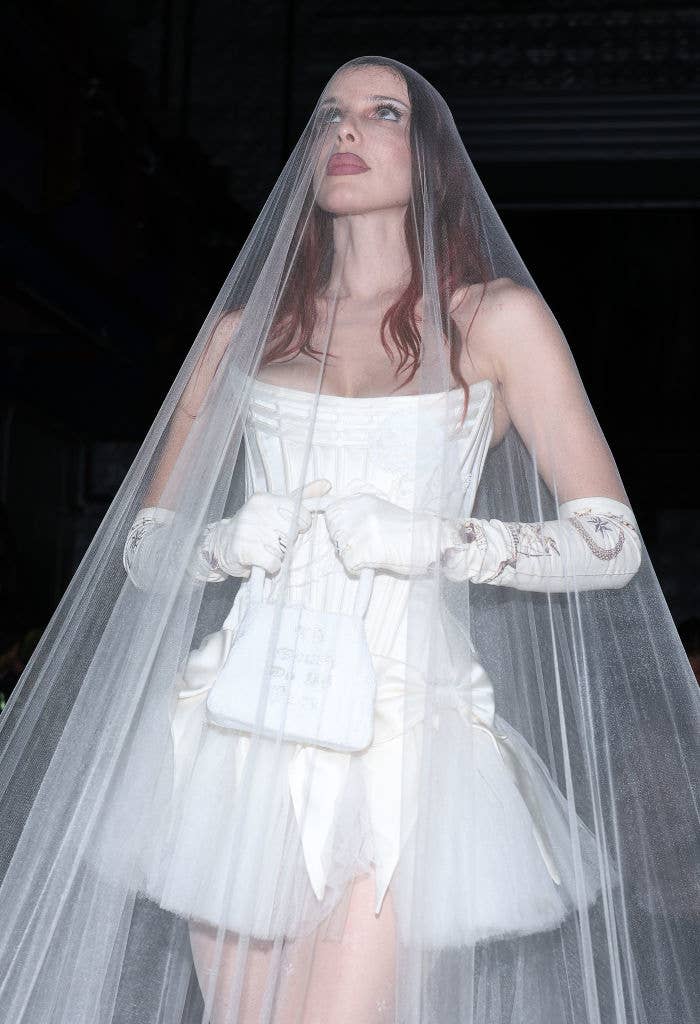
<point x="371" y="532"/>
<point x="258" y="533"/>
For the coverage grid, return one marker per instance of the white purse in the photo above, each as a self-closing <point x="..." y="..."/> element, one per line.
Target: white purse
<point x="315" y="684"/>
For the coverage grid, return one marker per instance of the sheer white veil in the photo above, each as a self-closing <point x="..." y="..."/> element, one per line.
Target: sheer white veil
<point x="536" y="750"/>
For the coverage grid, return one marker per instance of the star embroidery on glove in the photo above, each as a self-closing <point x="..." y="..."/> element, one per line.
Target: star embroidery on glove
<point x="601" y="525"/>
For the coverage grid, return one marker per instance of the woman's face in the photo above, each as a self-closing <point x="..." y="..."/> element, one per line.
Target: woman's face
<point x="374" y="129"/>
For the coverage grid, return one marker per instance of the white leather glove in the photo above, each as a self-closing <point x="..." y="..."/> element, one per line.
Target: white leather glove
<point x="370" y="532"/>
<point x="595" y="544"/>
<point x="255" y="535"/>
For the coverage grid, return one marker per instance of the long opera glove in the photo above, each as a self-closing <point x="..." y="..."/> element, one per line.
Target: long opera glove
<point x="595" y="544"/>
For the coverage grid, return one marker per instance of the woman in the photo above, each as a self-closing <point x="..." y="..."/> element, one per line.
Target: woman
<point x="434" y="542"/>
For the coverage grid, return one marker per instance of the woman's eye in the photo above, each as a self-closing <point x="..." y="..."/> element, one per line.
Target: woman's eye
<point x="389" y="106"/>
<point x="331" y="112"/>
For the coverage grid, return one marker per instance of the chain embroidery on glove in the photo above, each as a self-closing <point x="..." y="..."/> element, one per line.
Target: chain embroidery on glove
<point x="602" y="527"/>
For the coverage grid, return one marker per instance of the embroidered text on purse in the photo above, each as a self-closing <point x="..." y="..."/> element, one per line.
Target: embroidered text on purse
<point x="314" y="684"/>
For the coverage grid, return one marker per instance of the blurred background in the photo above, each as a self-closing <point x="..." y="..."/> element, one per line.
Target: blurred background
<point x="141" y="138"/>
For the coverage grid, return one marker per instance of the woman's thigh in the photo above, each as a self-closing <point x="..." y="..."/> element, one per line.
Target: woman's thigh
<point x="315" y="980"/>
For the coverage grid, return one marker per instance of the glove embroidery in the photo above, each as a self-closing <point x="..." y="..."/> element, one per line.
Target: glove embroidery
<point x="136" y="535"/>
<point x="140" y="528"/>
<point x="472" y="532"/>
<point x="528" y="539"/>
<point x="603" y="527"/>
<point x="552" y="556"/>
<point x="206" y="553"/>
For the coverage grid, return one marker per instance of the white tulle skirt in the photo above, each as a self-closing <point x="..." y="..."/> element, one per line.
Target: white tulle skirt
<point x="488" y="868"/>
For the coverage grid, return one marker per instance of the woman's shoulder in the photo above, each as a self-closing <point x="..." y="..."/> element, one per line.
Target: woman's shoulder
<point x="485" y="314"/>
<point x="491" y="315"/>
<point x="470" y="307"/>
<point x="499" y="297"/>
<point x="227" y="324"/>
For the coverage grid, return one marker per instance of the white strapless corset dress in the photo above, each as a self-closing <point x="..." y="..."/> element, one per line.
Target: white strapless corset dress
<point x="337" y="815"/>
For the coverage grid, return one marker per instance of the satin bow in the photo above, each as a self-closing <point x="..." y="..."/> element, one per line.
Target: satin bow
<point x="317" y="776"/>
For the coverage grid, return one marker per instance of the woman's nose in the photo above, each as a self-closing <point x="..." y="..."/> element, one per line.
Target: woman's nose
<point x="346" y="129"/>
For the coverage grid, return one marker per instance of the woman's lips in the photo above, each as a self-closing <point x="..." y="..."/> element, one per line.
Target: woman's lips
<point x="346" y="163"/>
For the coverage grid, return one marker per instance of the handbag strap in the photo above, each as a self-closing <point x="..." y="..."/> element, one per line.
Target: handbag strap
<point x="362" y="594"/>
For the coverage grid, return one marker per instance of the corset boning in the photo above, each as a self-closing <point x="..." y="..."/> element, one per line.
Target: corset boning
<point x="409" y="449"/>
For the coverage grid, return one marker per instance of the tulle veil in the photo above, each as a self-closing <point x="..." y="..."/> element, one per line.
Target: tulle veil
<point x="526" y="808"/>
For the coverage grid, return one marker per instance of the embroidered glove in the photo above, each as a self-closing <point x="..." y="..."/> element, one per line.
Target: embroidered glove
<point x="255" y="535"/>
<point x="595" y="544"/>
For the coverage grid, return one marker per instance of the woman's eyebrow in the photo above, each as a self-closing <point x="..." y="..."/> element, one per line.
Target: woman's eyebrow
<point x="334" y="99"/>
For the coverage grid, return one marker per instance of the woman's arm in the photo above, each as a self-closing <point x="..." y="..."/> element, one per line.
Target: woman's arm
<point x="190" y="403"/>
<point x="595" y="542"/>
<point x="147" y="538"/>
<point x="539" y="385"/>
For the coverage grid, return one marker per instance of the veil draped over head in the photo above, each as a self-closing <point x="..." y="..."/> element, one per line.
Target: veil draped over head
<point x="395" y="503"/>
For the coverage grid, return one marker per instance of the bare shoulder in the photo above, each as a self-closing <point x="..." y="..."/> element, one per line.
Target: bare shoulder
<point x="488" y="315"/>
<point x="496" y="315"/>
<point x="225" y="329"/>
<point x="211" y="352"/>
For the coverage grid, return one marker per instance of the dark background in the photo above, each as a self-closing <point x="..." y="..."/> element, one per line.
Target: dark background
<point x="140" y="139"/>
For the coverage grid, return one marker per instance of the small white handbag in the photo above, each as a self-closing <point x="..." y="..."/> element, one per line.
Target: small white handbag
<point x="315" y="684"/>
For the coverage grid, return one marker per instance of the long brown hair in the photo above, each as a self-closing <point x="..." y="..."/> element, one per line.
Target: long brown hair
<point x="459" y="257"/>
